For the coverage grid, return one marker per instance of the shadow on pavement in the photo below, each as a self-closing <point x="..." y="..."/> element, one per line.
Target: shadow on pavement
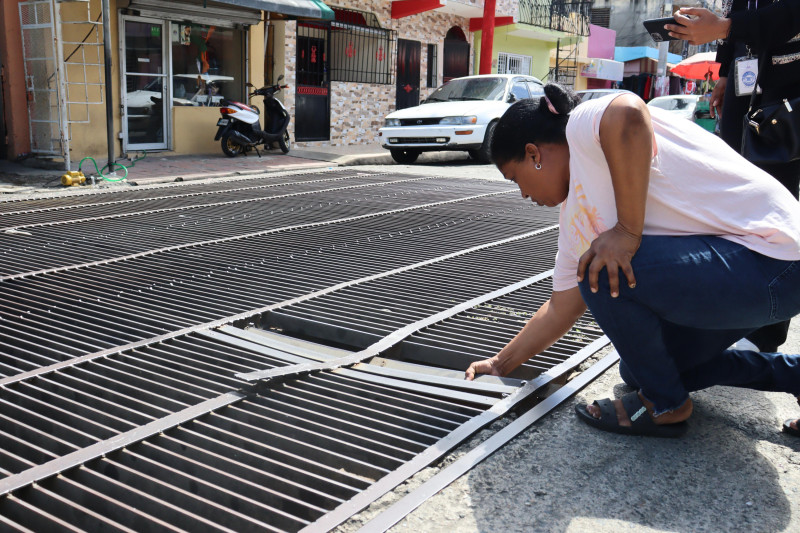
<point x="567" y="476"/>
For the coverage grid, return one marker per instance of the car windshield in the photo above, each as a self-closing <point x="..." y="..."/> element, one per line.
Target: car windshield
<point x="470" y="89"/>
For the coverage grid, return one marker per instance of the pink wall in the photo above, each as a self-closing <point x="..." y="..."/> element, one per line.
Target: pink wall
<point x="601" y="42"/>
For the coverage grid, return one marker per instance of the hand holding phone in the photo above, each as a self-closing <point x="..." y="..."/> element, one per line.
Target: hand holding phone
<point x="657" y="31"/>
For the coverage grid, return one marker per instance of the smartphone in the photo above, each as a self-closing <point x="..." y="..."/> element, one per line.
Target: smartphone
<point x="656" y="28"/>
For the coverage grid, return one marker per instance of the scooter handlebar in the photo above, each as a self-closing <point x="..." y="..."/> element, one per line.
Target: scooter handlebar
<point x="265" y="90"/>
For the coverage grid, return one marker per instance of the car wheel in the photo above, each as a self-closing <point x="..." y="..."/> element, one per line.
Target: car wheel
<point x="283" y="142"/>
<point x="405" y="157"/>
<point x="230" y="148"/>
<point x="484" y="154"/>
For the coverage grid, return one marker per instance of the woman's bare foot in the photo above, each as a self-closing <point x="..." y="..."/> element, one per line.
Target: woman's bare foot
<point x="672" y="417"/>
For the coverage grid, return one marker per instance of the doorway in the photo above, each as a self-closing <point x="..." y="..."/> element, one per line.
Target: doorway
<point x="456" y="55"/>
<point x="145" y="83"/>
<point x="312" y="97"/>
<point x="408" y="73"/>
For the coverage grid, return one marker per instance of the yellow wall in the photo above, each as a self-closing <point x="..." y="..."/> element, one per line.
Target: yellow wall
<point x="539" y="50"/>
<point x="89" y="139"/>
<point x="193" y="127"/>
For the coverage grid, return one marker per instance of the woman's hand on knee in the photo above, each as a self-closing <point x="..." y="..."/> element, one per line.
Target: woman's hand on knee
<point x="613" y="249"/>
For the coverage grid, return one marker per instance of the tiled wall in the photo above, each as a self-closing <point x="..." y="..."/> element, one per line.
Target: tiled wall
<point x="358" y="109"/>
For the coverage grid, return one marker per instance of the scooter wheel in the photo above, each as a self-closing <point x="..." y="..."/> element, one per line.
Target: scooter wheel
<point x="283" y="142"/>
<point x="230" y="148"/>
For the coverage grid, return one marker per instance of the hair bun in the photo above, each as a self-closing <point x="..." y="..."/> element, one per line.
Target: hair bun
<point x="563" y="98"/>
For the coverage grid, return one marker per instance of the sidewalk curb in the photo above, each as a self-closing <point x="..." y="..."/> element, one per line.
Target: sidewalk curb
<point x="233" y="173"/>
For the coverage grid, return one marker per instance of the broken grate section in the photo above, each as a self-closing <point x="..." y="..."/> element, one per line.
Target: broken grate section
<point x="360" y="315"/>
<point x="132" y="442"/>
<point x="484" y="330"/>
<point x="274" y="460"/>
<point x="115" y="304"/>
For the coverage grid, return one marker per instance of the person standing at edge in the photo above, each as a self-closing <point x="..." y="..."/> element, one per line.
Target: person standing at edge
<point x="769" y="30"/>
<point x="708" y="246"/>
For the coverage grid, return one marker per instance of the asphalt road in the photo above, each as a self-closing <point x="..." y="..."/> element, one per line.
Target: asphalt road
<point x="733" y="472"/>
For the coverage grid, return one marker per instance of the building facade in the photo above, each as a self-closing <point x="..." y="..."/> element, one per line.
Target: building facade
<point x="347" y="63"/>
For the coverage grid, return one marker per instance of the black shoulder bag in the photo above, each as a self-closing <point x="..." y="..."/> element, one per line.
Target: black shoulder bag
<point x="771" y="132"/>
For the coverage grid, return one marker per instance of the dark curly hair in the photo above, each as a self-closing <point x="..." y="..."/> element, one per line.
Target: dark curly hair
<point x="531" y="121"/>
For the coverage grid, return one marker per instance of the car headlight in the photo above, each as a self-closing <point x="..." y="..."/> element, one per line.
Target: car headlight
<point x="459" y="121"/>
<point x="392" y="121"/>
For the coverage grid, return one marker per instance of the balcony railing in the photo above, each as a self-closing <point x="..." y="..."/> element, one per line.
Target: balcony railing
<point x="570" y="16"/>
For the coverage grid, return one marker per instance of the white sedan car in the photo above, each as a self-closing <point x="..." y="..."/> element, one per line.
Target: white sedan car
<point x="459" y="115"/>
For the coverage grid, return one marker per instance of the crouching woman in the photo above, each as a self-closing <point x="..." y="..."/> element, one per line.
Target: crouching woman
<point x="677" y="245"/>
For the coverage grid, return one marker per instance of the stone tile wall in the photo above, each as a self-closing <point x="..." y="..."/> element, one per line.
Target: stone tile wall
<point x="358" y="109"/>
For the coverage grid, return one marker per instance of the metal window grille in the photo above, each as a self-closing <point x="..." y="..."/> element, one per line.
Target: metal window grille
<point x="513" y="64"/>
<point x="571" y="16"/>
<point x="361" y="51"/>
<point x="41" y="77"/>
<point x="433" y="65"/>
<point x="600" y="16"/>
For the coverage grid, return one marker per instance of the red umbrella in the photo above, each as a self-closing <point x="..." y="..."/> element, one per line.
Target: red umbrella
<point x="697" y="66"/>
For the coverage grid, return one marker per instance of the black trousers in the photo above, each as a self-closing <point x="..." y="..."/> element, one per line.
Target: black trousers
<point x="734" y="107"/>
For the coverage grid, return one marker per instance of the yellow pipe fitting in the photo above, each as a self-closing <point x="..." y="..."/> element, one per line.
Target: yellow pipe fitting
<point x="73" y="177"/>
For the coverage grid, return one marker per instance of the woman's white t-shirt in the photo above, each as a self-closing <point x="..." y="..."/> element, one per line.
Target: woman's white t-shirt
<point x="698" y="186"/>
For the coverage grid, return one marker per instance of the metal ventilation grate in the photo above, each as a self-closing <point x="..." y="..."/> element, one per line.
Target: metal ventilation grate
<point x="114" y="304"/>
<point x="123" y="405"/>
<point x="31" y="249"/>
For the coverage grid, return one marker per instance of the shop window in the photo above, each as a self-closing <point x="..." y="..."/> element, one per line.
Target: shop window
<point x="207" y="64"/>
<point x="361" y="51"/>
<point x="513" y="64"/>
<point x="433" y="65"/>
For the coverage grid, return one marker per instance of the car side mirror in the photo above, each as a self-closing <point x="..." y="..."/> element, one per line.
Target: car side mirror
<point x="512" y="98"/>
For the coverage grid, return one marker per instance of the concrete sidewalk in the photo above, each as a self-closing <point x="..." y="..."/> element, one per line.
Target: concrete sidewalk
<point x="163" y="167"/>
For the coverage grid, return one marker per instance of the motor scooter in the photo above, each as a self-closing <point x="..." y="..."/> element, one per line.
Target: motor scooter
<point x="239" y="129"/>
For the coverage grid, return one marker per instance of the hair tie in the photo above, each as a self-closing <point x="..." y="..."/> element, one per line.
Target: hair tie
<point x="550" y="105"/>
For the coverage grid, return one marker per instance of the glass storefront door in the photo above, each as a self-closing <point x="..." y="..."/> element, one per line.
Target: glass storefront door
<point x="145" y="82"/>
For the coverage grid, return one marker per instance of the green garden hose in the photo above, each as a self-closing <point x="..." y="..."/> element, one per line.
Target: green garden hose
<point x="111" y="167"/>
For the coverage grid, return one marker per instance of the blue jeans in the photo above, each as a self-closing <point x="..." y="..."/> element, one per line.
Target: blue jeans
<point x="694" y="297"/>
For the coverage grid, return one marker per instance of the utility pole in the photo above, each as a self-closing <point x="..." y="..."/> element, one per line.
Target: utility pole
<point x="663" y="47"/>
<point x="487" y="37"/>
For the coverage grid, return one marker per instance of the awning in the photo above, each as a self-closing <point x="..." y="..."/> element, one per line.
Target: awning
<point x="629" y="53"/>
<point x="230" y="13"/>
<point x="315" y="9"/>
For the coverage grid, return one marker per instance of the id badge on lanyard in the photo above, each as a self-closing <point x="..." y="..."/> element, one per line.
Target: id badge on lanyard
<point x="745" y="72"/>
<point x="745" y="69"/>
